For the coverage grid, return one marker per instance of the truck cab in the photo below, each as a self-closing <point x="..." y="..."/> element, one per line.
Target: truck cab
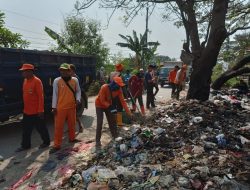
<point x="163" y="75"/>
<point x="46" y="68"/>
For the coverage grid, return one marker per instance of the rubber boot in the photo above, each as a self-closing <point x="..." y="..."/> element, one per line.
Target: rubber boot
<point x="142" y="110"/>
<point x="119" y="118"/>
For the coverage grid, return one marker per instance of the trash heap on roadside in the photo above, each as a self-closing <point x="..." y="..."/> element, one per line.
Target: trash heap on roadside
<point x="184" y="145"/>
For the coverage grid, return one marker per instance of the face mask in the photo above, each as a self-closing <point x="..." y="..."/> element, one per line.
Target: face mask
<point x="114" y="86"/>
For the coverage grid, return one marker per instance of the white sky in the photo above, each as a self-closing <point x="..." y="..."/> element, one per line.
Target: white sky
<point x="29" y="17"/>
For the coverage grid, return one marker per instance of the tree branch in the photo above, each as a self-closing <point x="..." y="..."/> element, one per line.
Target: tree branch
<point x="237" y="29"/>
<point x="236" y="70"/>
<point x="218" y="83"/>
<point x="86" y="5"/>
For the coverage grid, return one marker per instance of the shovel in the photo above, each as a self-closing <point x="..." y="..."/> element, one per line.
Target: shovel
<point x="133" y="101"/>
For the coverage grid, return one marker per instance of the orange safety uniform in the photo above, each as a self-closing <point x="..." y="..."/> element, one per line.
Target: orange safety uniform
<point x="172" y="75"/>
<point x="104" y="98"/>
<point x="33" y="96"/>
<point x="180" y="77"/>
<point x="65" y="103"/>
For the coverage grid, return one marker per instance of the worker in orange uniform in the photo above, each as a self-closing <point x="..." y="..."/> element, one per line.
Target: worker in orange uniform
<point x="180" y="80"/>
<point x="104" y="104"/>
<point x="66" y="95"/>
<point x="33" y="112"/>
<point x="171" y="79"/>
<point x="118" y="73"/>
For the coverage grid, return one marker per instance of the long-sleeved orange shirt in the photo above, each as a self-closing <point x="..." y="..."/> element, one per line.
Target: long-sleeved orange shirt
<point x="104" y="99"/>
<point x="172" y="76"/>
<point x="33" y="97"/>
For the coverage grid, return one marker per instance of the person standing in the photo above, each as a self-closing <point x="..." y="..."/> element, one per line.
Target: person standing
<point x="180" y="80"/>
<point x="126" y="77"/>
<point x="78" y="111"/>
<point x="136" y="87"/>
<point x="149" y="87"/>
<point x="33" y="112"/>
<point x="155" y="74"/>
<point x="66" y="96"/>
<point x="171" y="79"/>
<point x="104" y="103"/>
<point x="101" y="76"/>
<point x="119" y="73"/>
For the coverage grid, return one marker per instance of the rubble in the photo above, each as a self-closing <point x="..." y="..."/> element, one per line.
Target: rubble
<point x="205" y="146"/>
<point x="183" y="145"/>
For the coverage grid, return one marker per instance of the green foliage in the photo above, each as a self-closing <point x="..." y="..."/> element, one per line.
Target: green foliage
<point x="9" y="39"/>
<point x="217" y="71"/>
<point x="94" y="88"/>
<point x="140" y="46"/>
<point x="232" y="51"/>
<point x="81" y="36"/>
<point x="243" y="44"/>
<point x="231" y="82"/>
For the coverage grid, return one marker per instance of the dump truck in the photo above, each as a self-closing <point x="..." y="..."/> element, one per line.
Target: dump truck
<point x="46" y="68"/>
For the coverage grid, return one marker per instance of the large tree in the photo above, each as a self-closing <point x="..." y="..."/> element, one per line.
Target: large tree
<point x="81" y="36"/>
<point x="9" y="39"/>
<point x="207" y="24"/>
<point x="144" y="51"/>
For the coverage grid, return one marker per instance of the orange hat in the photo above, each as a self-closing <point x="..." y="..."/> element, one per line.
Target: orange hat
<point x="119" y="67"/>
<point x="27" y="66"/>
<point x="118" y="80"/>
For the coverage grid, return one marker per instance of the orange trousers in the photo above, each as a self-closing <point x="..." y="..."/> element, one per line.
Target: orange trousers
<point x="60" y="118"/>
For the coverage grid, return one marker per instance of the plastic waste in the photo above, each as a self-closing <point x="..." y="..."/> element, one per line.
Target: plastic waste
<point x="75" y="179"/>
<point x="244" y="140"/>
<point x="123" y="148"/>
<point x="183" y="182"/>
<point x="197" y="119"/>
<point x="221" y="140"/>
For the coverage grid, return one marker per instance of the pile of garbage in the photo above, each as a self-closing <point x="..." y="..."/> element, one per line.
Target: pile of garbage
<point x="231" y="96"/>
<point x="184" y="145"/>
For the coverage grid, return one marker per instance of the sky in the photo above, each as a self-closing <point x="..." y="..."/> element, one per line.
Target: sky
<point x="29" y="17"/>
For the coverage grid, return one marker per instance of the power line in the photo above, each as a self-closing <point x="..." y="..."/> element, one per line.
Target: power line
<point x="45" y="39"/>
<point x="25" y="30"/>
<point x="33" y="18"/>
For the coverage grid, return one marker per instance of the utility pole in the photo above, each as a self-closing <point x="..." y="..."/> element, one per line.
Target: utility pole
<point x="145" y="45"/>
<point x="147" y="25"/>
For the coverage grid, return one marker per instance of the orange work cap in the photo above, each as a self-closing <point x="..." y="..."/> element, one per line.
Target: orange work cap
<point x="118" y="80"/>
<point x="119" y="67"/>
<point x="27" y="66"/>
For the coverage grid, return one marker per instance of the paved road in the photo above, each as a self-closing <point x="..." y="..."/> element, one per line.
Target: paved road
<point x="14" y="164"/>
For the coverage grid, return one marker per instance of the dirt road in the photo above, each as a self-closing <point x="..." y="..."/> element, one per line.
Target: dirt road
<point x="15" y="165"/>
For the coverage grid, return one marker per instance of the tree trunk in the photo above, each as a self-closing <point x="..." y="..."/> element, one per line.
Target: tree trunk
<point x="236" y="70"/>
<point x="200" y="80"/>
